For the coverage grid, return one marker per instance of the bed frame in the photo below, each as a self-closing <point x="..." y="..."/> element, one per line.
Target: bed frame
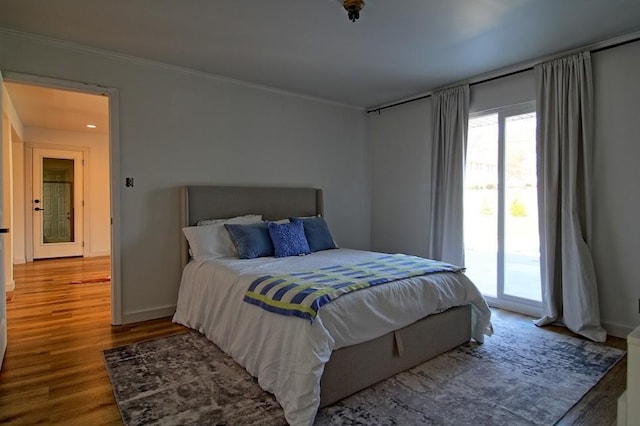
<point x="349" y="369"/>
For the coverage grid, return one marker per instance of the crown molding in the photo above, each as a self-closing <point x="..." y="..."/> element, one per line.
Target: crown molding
<point x="165" y="66"/>
<point x="515" y="69"/>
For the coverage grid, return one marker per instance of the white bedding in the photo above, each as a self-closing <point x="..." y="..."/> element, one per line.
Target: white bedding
<point x="287" y="354"/>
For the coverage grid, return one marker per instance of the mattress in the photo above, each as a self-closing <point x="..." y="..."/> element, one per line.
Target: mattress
<point x="288" y="354"/>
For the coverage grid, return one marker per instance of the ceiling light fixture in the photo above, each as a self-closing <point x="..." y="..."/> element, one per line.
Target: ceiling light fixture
<point x="91" y="126"/>
<point x="353" y="8"/>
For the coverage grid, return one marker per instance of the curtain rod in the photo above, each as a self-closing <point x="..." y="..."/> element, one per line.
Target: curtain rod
<point x="497" y="77"/>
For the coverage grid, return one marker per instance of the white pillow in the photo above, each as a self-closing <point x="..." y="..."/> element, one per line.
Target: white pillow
<point x="211" y="241"/>
<point x="214" y="221"/>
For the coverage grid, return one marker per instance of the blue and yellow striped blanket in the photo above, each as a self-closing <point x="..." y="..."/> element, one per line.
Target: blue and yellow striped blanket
<point x="301" y="294"/>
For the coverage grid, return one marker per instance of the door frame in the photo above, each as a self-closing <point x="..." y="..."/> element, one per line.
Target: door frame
<point x="3" y="240"/>
<point x="29" y="169"/>
<point x="114" y="170"/>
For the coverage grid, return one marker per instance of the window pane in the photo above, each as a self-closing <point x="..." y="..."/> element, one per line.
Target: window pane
<point x="57" y="200"/>
<point x="481" y="203"/>
<point x="522" y="244"/>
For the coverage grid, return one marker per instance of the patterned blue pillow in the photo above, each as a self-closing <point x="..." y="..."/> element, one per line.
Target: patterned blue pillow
<point x="317" y="233"/>
<point x="288" y="239"/>
<point x="252" y="240"/>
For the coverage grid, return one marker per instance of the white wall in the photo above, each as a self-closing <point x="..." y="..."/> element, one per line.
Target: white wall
<point x="400" y="141"/>
<point x="12" y="131"/>
<point x="512" y="90"/>
<point x="180" y="128"/>
<point x="7" y="205"/>
<point x="15" y="132"/>
<point x="616" y="197"/>
<point x="401" y="138"/>
<point x="9" y="109"/>
<point x="97" y="199"/>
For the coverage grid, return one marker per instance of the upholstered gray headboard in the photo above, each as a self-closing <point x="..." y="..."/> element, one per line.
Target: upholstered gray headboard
<point x="217" y="202"/>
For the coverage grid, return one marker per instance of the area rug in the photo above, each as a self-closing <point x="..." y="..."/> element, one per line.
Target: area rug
<point x="522" y="375"/>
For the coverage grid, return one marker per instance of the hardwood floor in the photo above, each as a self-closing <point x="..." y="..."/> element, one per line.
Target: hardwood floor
<point x="53" y="371"/>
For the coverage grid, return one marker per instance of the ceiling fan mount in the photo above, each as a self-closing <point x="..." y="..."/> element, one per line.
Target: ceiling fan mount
<point x="353" y="8"/>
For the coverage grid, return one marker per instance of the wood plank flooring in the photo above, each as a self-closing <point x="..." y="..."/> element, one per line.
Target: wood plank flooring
<point x="54" y="373"/>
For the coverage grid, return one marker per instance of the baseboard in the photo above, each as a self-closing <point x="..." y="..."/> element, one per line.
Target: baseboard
<point x="148" y="314"/>
<point x="617" y="330"/>
<point x="19" y="260"/>
<point x="98" y="254"/>
<point x="11" y="286"/>
<point x="3" y="339"/>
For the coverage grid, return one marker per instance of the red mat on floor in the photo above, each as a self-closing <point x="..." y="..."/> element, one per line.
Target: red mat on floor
<point x="92" y="280"/>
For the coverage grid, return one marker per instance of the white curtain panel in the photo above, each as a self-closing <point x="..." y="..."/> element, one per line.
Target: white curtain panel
<point x="564" y="147"/>
<point x="450" y="127"/>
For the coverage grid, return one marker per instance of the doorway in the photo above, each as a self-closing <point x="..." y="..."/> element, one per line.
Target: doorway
<point x="69" y="164"/>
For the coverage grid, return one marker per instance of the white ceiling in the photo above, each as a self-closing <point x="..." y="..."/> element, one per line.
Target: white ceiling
<point x="397" y="49"/>
<point x="59" y="109"/>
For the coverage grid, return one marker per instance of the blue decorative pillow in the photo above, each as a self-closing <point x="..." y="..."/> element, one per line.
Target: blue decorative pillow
<point x="288" y="239"/>
<point x="317" y="233"/>
<point x="252" y="240"/>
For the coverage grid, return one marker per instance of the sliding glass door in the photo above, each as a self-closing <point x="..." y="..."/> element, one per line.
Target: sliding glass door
<point x="501" y="207"/>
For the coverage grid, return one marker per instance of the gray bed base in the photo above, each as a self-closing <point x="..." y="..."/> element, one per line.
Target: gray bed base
<point x="355" y="367"/>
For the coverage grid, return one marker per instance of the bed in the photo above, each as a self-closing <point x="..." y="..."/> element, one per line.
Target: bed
<point x="351" y="344"/>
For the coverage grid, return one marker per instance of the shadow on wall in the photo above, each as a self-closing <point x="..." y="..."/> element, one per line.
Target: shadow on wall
<point x="150" y="257"/>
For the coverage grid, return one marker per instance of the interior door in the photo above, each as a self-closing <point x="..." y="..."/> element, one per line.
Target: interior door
<point x="3" y="298"/>
<point x="57" y="204"/>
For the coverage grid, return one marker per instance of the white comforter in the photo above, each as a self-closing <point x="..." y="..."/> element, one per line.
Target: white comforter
<point x="288" y="354"/>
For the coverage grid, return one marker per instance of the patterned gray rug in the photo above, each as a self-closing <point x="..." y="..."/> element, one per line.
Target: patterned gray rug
<point x="522" y="375"/>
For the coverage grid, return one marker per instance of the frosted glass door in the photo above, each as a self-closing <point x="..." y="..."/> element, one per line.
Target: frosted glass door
<point x="57" y="195"/>
<point x="57" y="203"/>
